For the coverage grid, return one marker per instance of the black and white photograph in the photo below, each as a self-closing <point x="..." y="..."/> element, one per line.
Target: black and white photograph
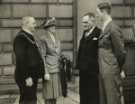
<point x="67" y="51"/>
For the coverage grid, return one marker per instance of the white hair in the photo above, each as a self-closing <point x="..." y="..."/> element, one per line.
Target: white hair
<point x="26" y="20"/>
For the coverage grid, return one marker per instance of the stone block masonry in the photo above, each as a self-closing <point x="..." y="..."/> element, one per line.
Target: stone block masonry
<point x="11" y="12"/>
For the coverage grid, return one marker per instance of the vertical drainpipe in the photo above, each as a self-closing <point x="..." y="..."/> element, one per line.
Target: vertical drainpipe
<point x="75" y="28"/>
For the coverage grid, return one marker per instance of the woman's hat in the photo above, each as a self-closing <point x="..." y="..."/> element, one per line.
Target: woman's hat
<point x="49" y="23"/>
<point x="103" y="5"/>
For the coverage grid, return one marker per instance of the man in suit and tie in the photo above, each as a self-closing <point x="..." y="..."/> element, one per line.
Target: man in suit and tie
<point x="111" y="55"/>
<point x="29" y="62"/>
<point x="87" y="61"/>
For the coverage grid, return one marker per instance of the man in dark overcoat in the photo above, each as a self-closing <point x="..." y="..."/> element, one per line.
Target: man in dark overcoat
<point x="87" y="61"/>
<point x="29" y="62"/>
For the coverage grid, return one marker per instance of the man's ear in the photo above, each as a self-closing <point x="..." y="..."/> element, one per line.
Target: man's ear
<point x="93" y="19"/>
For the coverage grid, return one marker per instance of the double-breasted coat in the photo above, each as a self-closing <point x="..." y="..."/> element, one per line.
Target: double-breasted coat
<point x="29" y="63"/>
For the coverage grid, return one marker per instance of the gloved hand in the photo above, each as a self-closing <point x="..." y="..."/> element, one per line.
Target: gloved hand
<point x="123" y="75"/>
<point x="29" y="82"/>
<point x="47" y="76"/>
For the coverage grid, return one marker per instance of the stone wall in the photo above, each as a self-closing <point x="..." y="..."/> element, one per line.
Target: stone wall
<point x="123" y="13"/>
<point x="11" y="12"/>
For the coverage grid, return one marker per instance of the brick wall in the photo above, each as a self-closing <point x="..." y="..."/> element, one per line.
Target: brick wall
<point x="11" y="12"/>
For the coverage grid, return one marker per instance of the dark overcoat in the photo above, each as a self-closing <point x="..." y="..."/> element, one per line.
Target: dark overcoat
<point x="87" y="64"/>
<point x="29" y="61"/>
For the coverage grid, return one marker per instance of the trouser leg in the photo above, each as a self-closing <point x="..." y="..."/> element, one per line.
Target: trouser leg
<point x="112" y="89"/>
<point x="28" y="95"/>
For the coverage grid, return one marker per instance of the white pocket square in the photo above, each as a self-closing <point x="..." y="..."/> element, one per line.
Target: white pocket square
<point x="95" y="38"/>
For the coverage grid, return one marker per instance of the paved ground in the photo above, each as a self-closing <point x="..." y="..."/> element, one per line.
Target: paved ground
<point x="6" y="98"/>
<point x="73" y="98"/>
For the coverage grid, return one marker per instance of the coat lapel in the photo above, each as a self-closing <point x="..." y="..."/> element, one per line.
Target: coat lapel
<point x="103" y="33"/>
<point x="90" y="34"/>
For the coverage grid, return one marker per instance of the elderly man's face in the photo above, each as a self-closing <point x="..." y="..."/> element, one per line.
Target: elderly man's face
<point x="32" y="24"/>
<point x="87" y="22"/>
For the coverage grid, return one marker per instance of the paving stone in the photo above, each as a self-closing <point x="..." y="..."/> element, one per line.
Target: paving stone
<point x="7" y="100"/>
<point x="73" y="99"/>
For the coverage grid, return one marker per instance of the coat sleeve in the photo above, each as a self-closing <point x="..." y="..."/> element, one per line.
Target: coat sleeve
<point x="43" y="53"/>
<point x="118" y="45"/>
<point x="20" y="48"/>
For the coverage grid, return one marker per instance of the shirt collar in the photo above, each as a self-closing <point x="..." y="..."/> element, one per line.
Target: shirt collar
<point x="106" y="23"/>
<point x="26" y="30"/>
<point x="90" y="31"/>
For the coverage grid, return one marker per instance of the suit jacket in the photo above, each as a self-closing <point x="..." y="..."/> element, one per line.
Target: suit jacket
<point x="52" y="53"/>
<point x="29" y="62"/>
<point x="111" y="49"/>
<point x="88" y="52"/>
